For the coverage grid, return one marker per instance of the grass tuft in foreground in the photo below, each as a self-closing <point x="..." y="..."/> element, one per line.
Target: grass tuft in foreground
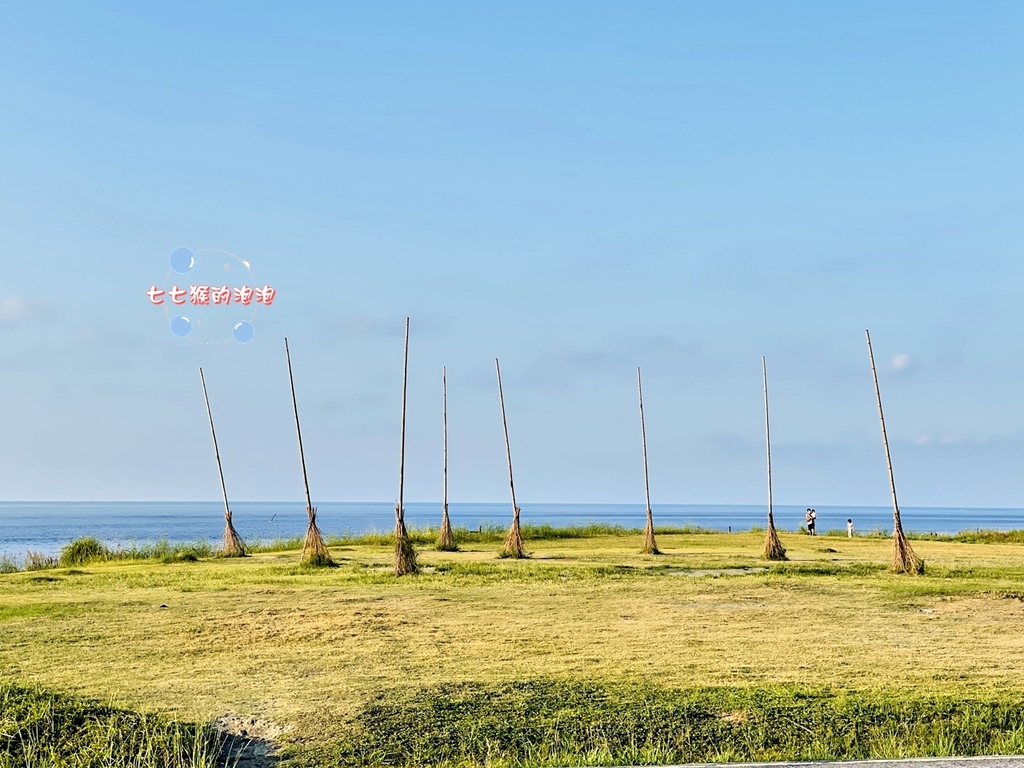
<point x="47" y="730"/>
<point x="550" y="722"/>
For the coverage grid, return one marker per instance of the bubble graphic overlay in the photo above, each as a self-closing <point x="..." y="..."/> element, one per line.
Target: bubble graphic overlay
<point x="182" y="260"/>
<point x="181" y="325"/>
<point x="210" y="296"/>
<point x="243" y="332"/>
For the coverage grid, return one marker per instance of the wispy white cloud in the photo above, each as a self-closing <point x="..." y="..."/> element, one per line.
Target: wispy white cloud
<point x="666" y="357"/>
<point x="331" y="329"/>
<point x="900" y="362"/>
<point x="13" y="309"/>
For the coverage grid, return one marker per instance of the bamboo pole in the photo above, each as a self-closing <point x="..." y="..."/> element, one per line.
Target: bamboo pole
<point x="773" y="549"/>
<point x="445" y="539"/>
<point x="904" y="560"/>
<point x="233" y="544"/>
<point x="513" y="546"/>
<point x="650" y="546"/>
<point x="405" y="556"/>
<point x="314" y="548"/>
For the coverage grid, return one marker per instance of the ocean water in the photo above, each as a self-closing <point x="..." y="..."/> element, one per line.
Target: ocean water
<point x="47" y="526"/>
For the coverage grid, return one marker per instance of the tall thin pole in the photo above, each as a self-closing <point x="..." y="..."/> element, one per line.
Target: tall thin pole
<point x="885" y="439"/>
<point x="401" y="463"/>
<point x="508" y="449"/>
<point x="650" y="546"/>
<point x="216" y="450"/>
<point x="904" y="559"/>
<point x="445" y="536"/>
<point x="513" y="546"/>
<point x="298" y="429"/>
<point x="643" y="437"/>
<point x="405" y="556"/>
<point x="444" y="421"/>
<point x="773" y="549"/>
<point x="767" y="436"/>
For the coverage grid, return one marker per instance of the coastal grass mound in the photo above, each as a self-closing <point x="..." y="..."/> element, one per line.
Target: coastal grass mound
<point x="560" y="723"/>
<point x="39" y="729"/>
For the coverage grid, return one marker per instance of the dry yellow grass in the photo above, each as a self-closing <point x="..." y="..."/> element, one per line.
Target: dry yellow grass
<point x="303" y="649"/>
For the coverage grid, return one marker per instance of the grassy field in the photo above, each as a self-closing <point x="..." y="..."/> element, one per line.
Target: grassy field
<point x="585" y="631"/>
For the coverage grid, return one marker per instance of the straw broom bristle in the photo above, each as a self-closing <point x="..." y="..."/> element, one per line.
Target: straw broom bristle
<point x="314" y="548"/>
<point x="513" y="546"/>
<point x="446" y="539"/>
<point x="773" y="549"/>
<point x="904" y="559"/>
<point x="650" y="546"/>
<point x="405" y="555"/>
<point x="234" y="546"/>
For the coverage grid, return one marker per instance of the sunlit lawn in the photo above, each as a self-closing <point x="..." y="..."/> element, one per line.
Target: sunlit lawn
<point x="305" y="649"/>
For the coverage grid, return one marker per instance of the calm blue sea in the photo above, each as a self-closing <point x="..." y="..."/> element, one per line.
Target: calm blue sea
<point x="47" y="526"/>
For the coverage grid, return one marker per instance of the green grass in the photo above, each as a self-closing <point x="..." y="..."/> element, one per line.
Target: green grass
<point x="560" y="723"/>
<point x="45" y="730"/>
<point x="974" y="537"/>
<point x="90" y="550"/>
<point x="586" y="653"/>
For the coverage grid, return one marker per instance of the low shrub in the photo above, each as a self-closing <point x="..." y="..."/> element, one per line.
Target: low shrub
<point x="38" y="561"/>
<point x="181" y="556"/>
<point x="83" y="551"/>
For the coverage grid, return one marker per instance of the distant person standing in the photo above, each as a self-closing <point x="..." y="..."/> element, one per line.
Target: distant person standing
<point x="810" y="517"/>
<point x="849" y="527"/>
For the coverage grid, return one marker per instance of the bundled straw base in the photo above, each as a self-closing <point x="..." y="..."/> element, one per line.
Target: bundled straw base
<point x="773" y="549"/>
<point x="405" y="555"/>
<point x="446" y="539"/>
<point x="650" y="546"/>
<point x="233" y="544"/>
<point x="513" y="546"/>
<point x="314" y="548"/>
<point x="904" y="559"/>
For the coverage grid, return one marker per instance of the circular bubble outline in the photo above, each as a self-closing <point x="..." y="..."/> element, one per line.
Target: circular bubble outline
<point x="234" y="329"/>
<point x="187" y="320"/>
<point x="231" y="336"/>
<point x="192" y="255"/>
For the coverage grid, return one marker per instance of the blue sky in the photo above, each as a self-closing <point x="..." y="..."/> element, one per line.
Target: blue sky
<point x="576" y="188"/>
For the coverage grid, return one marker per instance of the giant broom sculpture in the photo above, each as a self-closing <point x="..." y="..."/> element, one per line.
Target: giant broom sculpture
<point x="445" y="539"/>
<point x="650" y="546"/>
<point x="904" y="560"/>
<point x="773" y="549"/>
<point x="513" y="546"/>
<point x="314" y="548"/>
<point x="405" y="555"/>
<point x="233" y="544"/>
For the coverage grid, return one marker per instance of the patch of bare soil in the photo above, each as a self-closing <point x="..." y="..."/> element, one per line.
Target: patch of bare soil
<point x="248" y="741"/>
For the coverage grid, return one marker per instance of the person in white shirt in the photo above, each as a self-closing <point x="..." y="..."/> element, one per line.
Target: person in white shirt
<point x="849" y="528"/>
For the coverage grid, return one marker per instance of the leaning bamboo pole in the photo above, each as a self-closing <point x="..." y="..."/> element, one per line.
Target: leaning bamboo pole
<point x="773" y="549"/>
<point x="314" y="548"/>
<point x="513" y="546"/>
<point x="904" y="559"/>
<point x="233" y="544"/>
<point x="445" y="539"/>
<point x="405" y="555"/>
<point x="650" y="547"/>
